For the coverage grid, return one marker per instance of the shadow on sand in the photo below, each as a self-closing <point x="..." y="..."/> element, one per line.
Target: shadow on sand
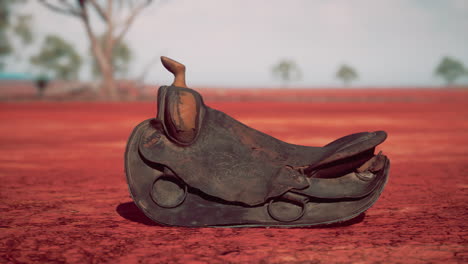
<point x="131" y="212"/>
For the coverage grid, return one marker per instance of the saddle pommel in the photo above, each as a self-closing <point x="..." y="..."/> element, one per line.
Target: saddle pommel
<point x="176" y="68"/>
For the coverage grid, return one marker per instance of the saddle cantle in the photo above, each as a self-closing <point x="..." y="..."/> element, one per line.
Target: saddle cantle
<point x="195" y="166"/>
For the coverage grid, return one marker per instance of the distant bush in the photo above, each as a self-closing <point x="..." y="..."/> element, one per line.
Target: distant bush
<point x="450" y="69"/>
<point x="41" y="83"/>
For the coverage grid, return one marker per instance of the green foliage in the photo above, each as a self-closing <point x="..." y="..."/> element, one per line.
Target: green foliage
<point x="450" y="69"/>
<point x="121" y="57"/>
<point x="5" y="44"/>
<point x="22" y="29"/>
<point x="286" y="70"/>
<point x="12" y="25"/>
<point x="58" y="58"/>
<point x="5" y="13"/>
<point x="347" y="74"/>
<point x="5" y="47"/>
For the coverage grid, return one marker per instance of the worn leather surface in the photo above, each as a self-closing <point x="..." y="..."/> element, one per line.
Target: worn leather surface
<point x="229" y="174"/>
<point x="200" y="209"/>
<point x="231" y="161"/>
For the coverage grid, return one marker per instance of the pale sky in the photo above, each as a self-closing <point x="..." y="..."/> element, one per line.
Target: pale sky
<point x="236" y="42"/>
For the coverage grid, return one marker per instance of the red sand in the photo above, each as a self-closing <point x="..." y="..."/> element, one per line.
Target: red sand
<point x="63" y="195"/>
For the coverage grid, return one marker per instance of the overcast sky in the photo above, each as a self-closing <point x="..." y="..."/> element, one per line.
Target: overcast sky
<point x="236" y="42"/>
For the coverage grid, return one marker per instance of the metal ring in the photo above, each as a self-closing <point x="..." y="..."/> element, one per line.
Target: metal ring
<point x="297" y="217"/>
<point x="162" y="191"/>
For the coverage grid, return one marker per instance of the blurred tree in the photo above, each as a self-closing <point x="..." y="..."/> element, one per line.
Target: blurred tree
<point x="346" y="74"/>
<point x="22" y="29"/>
<point x="5" y="48"/>
<point x="450" y="70"/>
<point x="58" y="59"/>
<point x="117" y="16"/>
<point x="13" y="25"/>
<point x="287" y="71"/>
<point x="121" y="57"/>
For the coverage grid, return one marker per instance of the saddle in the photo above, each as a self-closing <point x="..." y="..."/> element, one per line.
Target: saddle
<point x="196" y="166"/>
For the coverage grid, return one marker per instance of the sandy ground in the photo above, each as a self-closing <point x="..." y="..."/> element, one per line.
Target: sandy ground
<point x="64" y="198"/>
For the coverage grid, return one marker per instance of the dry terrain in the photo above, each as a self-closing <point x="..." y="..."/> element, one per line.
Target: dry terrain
<point x="64" y="198"/>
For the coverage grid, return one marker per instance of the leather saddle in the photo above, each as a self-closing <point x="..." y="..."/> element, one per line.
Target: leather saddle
<point x="196" y="166"/>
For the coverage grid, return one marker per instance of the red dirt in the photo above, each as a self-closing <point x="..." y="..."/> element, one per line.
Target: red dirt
<point x="63" y="195"/>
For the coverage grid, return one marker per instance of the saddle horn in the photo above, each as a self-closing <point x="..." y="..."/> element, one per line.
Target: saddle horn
<point x="181" y="109"/>
<point x="176" y="68"/>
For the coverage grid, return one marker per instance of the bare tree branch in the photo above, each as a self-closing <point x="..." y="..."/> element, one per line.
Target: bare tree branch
<point x="129" y="21"/>
<point x="68" y="10"/>
<point x="69" y="5"/>
<point x="109" y="35"/>
<point x="100" y="11"/>
<point x="85" y="17"/>
<point x="147" y="68"/>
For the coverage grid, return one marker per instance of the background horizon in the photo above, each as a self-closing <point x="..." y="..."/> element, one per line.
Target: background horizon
<point x="236" y="44"/>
